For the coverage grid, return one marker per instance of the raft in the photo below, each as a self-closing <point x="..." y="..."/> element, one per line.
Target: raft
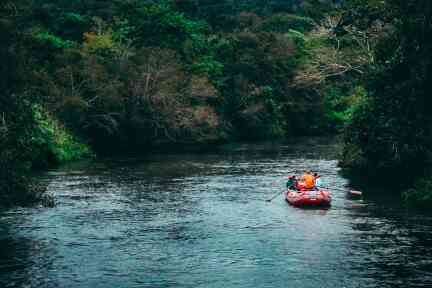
<point x="309" y="198"/>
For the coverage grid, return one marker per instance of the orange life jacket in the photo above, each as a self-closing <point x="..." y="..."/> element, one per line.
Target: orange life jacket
<point x="309" y="181"/>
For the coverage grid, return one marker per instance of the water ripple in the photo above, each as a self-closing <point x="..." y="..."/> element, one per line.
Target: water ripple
<point x="201" y="220"/>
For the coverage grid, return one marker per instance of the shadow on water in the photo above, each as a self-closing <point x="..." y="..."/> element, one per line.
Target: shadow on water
<point x="200" y="219"/>
<point x="24" y="261"/>
<point x="394" y="244"/>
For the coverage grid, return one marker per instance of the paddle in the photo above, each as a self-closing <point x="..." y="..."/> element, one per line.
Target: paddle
<point x="276" y="195"/>
<point x="353" y="192"/>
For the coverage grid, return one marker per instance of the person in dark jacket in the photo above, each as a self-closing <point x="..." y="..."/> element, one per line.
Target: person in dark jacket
<point x="292" y="183"/>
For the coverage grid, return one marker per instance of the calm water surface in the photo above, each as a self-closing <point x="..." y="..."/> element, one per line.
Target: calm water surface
<point x="201" y="220"/>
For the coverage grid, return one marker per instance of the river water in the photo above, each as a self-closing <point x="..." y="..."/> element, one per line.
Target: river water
<point x="200" y="219"/>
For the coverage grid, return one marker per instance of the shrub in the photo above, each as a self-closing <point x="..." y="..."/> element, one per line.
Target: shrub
<point x="421" y="194"/>
<point x="50" y="142"/>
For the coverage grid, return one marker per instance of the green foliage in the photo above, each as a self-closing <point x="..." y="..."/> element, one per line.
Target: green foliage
<point x="74" y="18"/>
<point x="420" y="195"/>
<point x="51" y="143"/>
<point x="318" y="9"/>
<point x="339" y="107"/>
<point x="53" y="41"/>
<point x="252" y="62"/>
<point x="128" y="75"/>
<point x="276" y="121"/>
<point x="223" y="14"/>
<point x="14" y="114"/>
<point x="336" y="109"/>
<point x="392" y="131"/>
<point x="283" y="23"/>
<point x="159" y="24"/>
<point x="14" y="184"/>
<point x="300" y="42"/>
<point x="70" y="26"/>
<point x="102" y="45"/>
<point x="207" y="65"/>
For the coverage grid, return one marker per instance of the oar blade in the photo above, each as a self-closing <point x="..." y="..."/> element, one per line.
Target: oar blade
<point x="271" y="199"/>
<point x="355" y="193"/>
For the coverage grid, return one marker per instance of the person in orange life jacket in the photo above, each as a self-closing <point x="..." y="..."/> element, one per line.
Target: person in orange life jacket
<point x="307" y="181"/>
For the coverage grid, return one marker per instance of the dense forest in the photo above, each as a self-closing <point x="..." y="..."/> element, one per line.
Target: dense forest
<point x="86" y="78"/>
<point x="389" y="136"/>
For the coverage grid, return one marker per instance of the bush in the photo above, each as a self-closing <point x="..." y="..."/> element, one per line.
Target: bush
<point x="16" y="124"/>
<point x="50" y="143"/>
<point x="420" y="195"/>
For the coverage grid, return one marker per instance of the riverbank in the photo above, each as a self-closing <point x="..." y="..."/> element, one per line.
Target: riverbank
<point x="420" y="195"/>
<point x="413" y="190"/>
<point x="390" y="136"/>
<point x="36" y="144"/>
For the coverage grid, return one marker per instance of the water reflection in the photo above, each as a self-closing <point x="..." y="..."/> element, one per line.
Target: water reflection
<point x="201" y="220"/>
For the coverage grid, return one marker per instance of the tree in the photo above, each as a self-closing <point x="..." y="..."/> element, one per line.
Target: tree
<point x="391" y="132"/>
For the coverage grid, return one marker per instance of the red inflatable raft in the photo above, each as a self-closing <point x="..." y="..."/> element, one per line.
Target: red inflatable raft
<point x="309" y="198"/>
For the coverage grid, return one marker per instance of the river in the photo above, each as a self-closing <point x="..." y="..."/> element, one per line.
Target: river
<point x="200" y="219"/>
